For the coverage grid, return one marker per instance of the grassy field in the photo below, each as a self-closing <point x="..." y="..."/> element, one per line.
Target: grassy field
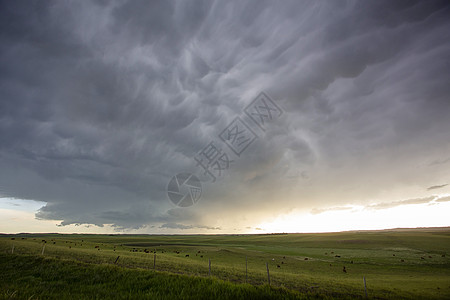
<point x="402" y="264"/>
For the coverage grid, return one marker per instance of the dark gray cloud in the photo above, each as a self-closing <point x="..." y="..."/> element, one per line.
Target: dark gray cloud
<point x="440" y="161"/>
<point x="434" y="187"/>
<point x="101" y="103"/>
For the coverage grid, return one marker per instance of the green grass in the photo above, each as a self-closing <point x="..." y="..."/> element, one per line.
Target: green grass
<point x="375" y="255"/>
<point x="47" y="278"/>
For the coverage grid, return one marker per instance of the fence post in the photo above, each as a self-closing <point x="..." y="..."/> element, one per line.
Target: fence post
<point x="43" y="248"/>
<point x="268" y="275"/>
<point x="209" y="266"/>
<point x="365" y="288"/>
<point x="154" y="262"/>
<point x="12" y="250"/>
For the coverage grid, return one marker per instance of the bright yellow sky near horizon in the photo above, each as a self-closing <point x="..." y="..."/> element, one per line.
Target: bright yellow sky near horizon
<point x="19" y="216"/>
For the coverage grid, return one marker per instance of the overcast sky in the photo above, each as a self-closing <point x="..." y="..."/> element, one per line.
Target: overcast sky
<point x="102" y="102"/>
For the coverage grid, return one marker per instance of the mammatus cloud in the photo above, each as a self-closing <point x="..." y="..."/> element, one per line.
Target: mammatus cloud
<point x="101" y="103"/>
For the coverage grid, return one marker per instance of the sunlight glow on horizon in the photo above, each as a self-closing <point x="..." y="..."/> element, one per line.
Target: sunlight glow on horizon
<point x="18" y="215"/>
<point x="361" y="218"/>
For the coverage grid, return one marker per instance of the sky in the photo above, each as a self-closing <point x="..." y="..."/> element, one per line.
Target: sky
<point x="321" y="115"/>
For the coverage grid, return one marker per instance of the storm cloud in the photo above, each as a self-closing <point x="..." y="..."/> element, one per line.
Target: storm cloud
<point x="101" y="103"/>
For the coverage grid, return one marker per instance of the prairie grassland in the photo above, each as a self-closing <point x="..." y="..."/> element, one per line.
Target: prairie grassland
<point x="408" y="264"/>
